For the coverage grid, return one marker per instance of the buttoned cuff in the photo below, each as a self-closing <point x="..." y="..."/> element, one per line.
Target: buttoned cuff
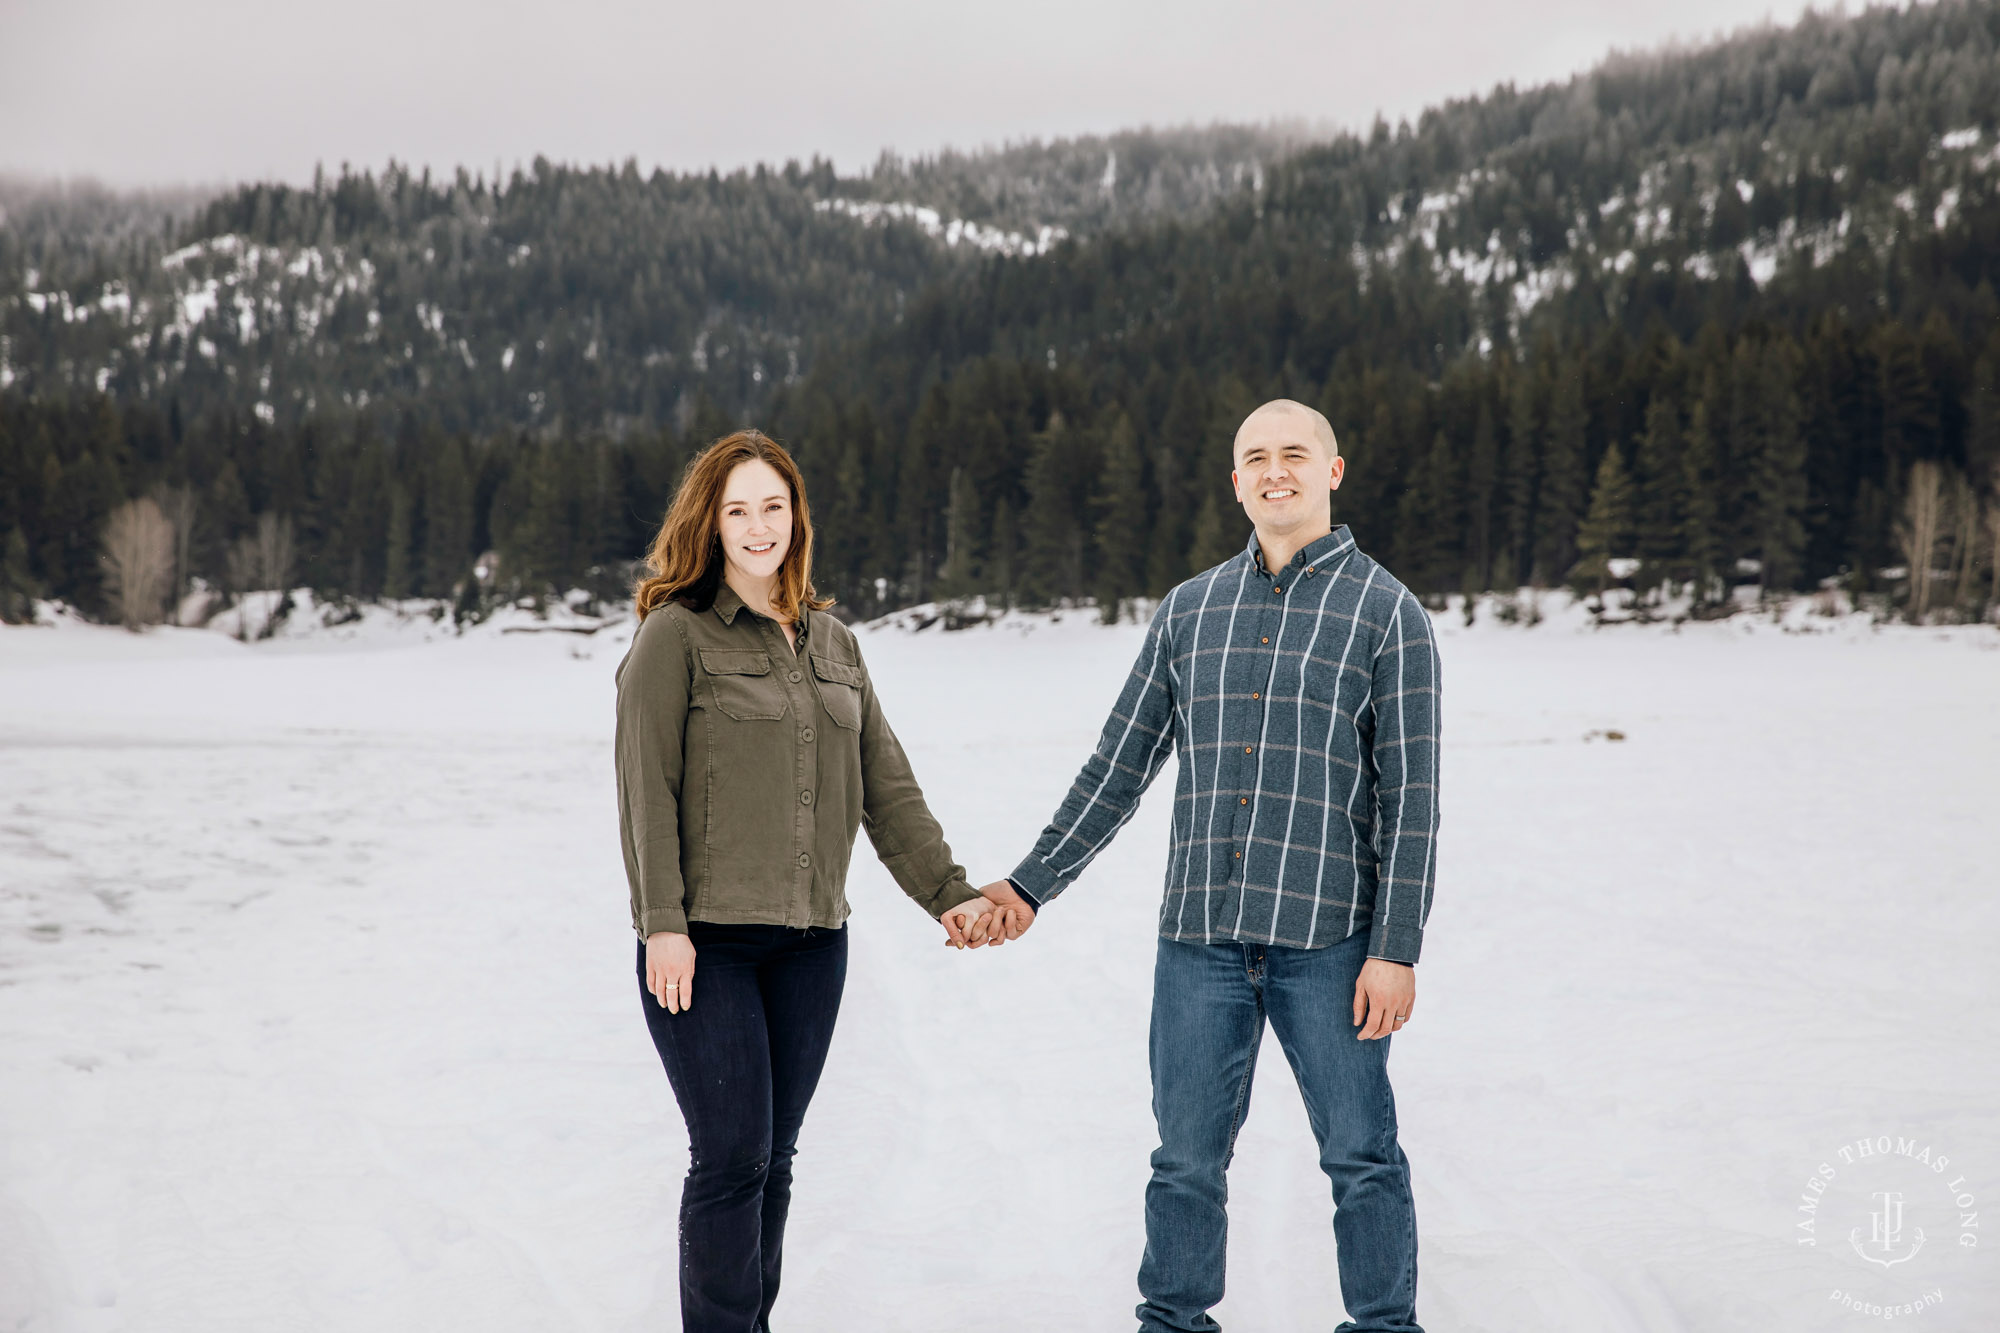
<point x="1024" y="895"/>
<point x="950" y="896"/>
<point x="1035" y="881"/>
<point x="1396" y="946"/>
<point x="656" y="919"/>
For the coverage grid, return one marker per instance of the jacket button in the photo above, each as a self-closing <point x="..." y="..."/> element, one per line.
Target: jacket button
<point x="806" y="735"/>
<point x="1267" y="638"/>
<point x="1243" y="800"/>
<point x="1239" y="856"/>
<point x="1277" y="588"/>
<point x="804" y="860"/>
<point x="1255" y="695"/>
<point x="1246" y="749"/>
<point x="805" y="798"/>
<point x="795" y="677"/>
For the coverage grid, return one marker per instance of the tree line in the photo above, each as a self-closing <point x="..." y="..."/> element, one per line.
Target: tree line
<point x="1865" y="457"/>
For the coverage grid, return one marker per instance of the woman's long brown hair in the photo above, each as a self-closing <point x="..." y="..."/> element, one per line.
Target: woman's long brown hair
<point x="686" y="558"/>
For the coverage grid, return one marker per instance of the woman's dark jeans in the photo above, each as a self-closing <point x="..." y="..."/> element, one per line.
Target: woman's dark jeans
<point x="744" y="1061"/>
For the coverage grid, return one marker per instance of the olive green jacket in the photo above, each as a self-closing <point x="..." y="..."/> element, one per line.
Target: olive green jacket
<point x="744" y="770"/>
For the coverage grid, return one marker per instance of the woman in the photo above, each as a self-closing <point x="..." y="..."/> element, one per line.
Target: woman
<point x="750" y="746"/>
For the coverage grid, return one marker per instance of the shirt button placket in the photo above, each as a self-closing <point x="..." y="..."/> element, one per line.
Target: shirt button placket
<point x="1267" y="629"/>
<point x="800" y="912"/>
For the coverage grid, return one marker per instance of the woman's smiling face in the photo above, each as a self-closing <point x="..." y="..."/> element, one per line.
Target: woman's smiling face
<point x="755" y="521"/>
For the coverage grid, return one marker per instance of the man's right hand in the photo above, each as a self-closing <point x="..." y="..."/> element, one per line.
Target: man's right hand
<point x="1012" y="918"/>
<point x="670" y="970"/>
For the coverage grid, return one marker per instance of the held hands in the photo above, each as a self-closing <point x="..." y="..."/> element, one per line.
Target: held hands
<point x="670" y="970"/>
<point x="998" y="915"/>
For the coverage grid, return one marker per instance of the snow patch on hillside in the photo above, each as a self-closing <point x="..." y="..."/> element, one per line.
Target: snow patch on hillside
<point x="952" y="231"/>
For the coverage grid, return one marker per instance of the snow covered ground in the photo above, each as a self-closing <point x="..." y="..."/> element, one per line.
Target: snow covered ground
<point x="317" y="1007"/>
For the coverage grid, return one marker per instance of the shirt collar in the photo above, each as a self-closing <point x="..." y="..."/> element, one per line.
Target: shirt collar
<point x="1312" y="557"/>
<point x="727" y="604"/>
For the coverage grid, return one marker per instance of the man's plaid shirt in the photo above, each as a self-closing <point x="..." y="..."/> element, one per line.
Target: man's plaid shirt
<point x="1303" y="707"/>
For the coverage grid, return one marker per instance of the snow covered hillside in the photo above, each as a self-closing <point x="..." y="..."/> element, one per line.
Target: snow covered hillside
<point x="317" y="1005"/>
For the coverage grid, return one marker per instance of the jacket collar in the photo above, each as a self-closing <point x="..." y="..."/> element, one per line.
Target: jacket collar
<point x="1314" y="557"/>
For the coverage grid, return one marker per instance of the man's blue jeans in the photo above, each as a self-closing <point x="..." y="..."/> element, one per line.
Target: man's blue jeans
<point x="1209" y="1006"/>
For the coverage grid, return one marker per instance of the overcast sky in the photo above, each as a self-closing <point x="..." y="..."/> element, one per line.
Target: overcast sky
<point x="156" y="92"/>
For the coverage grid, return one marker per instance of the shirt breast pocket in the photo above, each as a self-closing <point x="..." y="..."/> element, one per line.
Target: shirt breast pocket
<point x="840" y="691"/>
<point x="742" y="684"/>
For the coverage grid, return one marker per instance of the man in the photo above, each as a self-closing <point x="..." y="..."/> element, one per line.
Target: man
<point x="1298" y="684"/>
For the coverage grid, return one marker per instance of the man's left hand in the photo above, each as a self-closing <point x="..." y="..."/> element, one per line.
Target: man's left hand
<point x="1385" y="995"/>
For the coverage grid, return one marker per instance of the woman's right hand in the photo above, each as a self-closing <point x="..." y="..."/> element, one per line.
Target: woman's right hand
<point x="670" y="970"/>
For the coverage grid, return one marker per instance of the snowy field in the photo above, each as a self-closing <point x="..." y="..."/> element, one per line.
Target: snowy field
<point x="317" y="1006"/>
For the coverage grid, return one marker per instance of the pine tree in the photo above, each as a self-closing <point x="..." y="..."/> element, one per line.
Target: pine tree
<point x="1700" y="523"/>
<point x="447" y="520"/>
<point x="1176" y="469"/>
<point x="1778" y="471"/>
<point x="1000" y="573"/>
<point x="80" y="498"/>
<point x="1119" y="507"/>
<point x="1661" y="504"/>
<point x="396" y="543"/>
<point x="1561" y="498"/>
<point x="1909" y="399"/>
<point x="1523" y="475"/>
<point x="1607" y="530"/>
<point x="1426" y="552"/>
<point x="1482" y="485"/>
<point x="1982" y="436"/>
<point x="1051" y="526"/>
<point x="1220" y="530"/>
<point x="918" y="510"/>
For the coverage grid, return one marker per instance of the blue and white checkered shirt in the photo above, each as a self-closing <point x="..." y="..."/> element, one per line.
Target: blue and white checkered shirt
<point x="1303" y="707"/>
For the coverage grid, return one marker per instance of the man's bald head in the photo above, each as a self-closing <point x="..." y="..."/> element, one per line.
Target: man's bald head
<point x="1287" y="465"/>
<point x="1286" y="417"/>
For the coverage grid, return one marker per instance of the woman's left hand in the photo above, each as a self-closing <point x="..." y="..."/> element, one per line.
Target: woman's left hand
<point x="966" y="926"/>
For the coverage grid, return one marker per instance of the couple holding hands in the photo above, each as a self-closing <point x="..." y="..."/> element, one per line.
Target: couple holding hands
<point x="1298" y="684"/>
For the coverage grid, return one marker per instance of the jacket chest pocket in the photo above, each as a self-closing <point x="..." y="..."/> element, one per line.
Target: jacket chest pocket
<point x="840" y="691"/>
<point x="742" y="684"/>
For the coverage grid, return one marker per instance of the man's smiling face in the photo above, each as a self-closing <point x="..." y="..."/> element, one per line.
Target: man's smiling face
<point x="1287" y="467"/>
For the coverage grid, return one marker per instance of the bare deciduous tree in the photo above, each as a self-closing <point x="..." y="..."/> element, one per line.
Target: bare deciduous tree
<point x="138" y="561"/>
<point x="1917" y="531"/>
<point x="240" y="572"/>
<point x="261" y="562"/>
<point x="1962" y="523"/>
<point x="1993" y="540"/>
<point x="179" y="505"/>
<point x="240" y="566"/>
<point x="274" y="551"/>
